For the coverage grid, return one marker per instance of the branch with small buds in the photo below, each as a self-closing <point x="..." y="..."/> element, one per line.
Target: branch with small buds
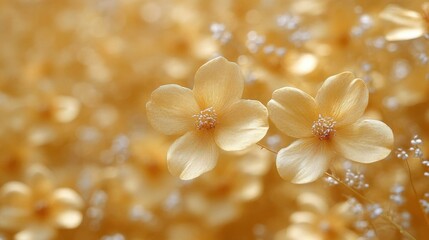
<point x="416" y="152"/>
<point x="336" y="180"/>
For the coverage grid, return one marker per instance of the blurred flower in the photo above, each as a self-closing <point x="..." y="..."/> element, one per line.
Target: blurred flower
<point x="75" y="76"/>
<point x="317" y="221"/>
<point x="148" y="158"/>
<point x="210" y="116"/>
<point x="218" y="196"/>
<point x="37" y="209"/>
<point x="16" y="158"/>
<point x="113" y="194"/>
<point x="327" y="126"/>
<point x="408" y="24"/>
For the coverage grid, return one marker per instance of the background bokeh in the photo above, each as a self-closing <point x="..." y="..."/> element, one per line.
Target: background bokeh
<point x="75" y="76"/>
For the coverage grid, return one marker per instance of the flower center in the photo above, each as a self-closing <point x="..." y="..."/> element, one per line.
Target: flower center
<point x="41" y="208"/>
<point x="323" y="127"/>
<point x="206" y="119"/>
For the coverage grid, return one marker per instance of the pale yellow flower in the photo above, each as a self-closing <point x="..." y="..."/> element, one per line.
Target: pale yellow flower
<point x="327" y="127"/>
<point x="408" y="24"/>
<point x="210" y="116"/>
<point x="36" y="209"/>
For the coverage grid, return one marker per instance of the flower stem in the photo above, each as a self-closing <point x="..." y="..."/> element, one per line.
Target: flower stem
<point x="415" y="191"/>
<point x="383" y="215"/>
<point x="358" y="194"/>
<point x="270" y="150"/>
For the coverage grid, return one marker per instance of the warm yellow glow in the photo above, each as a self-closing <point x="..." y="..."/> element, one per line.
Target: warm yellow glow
<point x="214" y="119"/>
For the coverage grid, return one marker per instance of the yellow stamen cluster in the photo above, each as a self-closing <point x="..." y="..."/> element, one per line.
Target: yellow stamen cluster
<point x="206" y="119"/>
<point x="323" y="127"/>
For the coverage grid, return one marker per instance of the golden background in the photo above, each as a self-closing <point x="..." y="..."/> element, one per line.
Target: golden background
<point x="75" y="76"/>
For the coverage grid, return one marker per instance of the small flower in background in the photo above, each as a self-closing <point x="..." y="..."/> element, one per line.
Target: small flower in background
<point x="317" y="220"/>
<point x="75" y="75"/>
<point x="148" y="158"/>
<point x="210" y="116"/>
<point x="118" y="197"/>
<point x="36" y="209"/>
<point x="15" y="159"/>
<point x="219" y="196"/>
<point x="327" y="127"/>
<point x="408" y="24"/>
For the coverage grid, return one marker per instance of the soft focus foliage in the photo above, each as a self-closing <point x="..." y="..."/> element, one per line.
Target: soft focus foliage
<point x="92" y="142"/>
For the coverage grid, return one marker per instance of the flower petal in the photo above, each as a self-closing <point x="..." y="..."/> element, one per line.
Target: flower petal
<point x="40" y="179"/>
<point x="402" y="16"/>
<point x="192" y="155"/>
<point x="312" y="202"/>
<point x="171" y="108"/>
<point x="402" y="34"/>
<point x="301" y="231"/>
<point x="15" y="205"/>
<point x="303" y="217"/>
<point x="66" y="206"/>
<point x="304" y="161"/>
<point x="425" y="7"/>
<point x="293" y="112"/>
<point x="218" y="83"/>
<point x="243" y="124"/>
<point x="246" y="187"/>
<point x="343" y="97"/>
<point x="36" y="232"/>
<point x="365" y="141"/>
<point x="68" y="219"/>
<point x="407" y="24"/>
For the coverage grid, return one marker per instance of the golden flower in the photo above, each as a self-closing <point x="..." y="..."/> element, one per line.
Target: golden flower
<point x="327" y="127"/>
<point x="36" y="209"/>
<point x="210" y="116"/>
<point x="408" y="24"/>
